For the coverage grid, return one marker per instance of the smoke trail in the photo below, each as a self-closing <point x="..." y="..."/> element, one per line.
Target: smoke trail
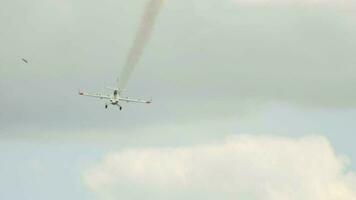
<point x="142" y="37"/>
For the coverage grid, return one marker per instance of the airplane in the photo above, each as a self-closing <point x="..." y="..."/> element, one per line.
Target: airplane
<point x="114" y="98"/>
<point x="24" y="60"/>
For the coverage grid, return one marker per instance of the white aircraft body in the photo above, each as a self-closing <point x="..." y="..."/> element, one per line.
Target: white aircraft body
<point x="114" y="98"/>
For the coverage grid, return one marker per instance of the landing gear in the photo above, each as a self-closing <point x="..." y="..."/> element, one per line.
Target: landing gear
<point x="106" y="106"/>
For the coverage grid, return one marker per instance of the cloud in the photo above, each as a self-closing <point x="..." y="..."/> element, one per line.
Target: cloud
<point x="296" y="2"/>
<point x="248" y="167"/>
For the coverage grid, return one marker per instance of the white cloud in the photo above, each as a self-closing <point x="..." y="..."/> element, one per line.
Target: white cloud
<point x="248" y="167"/>
<point x="296" y="2"/>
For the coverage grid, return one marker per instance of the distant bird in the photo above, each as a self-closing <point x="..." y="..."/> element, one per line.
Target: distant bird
<point x="24" y="60"/>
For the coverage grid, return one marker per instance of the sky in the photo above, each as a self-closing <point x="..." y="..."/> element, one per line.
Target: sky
<point x="251" y="100"/>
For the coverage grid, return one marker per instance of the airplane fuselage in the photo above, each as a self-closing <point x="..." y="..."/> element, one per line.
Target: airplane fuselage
<point x="114" y="101"/>
<point x="115" y="98"/>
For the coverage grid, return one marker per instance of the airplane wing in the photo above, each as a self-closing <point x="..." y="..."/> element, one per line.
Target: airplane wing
<point x="134" y="100"/>
<point x="100" y="96"/>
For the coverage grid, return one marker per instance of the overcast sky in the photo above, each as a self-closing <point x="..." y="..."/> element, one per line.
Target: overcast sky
<point x="251" y="99"/>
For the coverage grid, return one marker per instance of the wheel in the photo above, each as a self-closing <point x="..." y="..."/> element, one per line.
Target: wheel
<point x="106" y="106"/>
<point x="120" y="108"/>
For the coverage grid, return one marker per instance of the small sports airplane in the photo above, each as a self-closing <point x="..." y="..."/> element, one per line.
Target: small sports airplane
<point x="115" y="98"/>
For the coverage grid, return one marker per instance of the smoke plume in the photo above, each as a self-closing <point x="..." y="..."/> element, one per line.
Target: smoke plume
<point x="142" y="37"/>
